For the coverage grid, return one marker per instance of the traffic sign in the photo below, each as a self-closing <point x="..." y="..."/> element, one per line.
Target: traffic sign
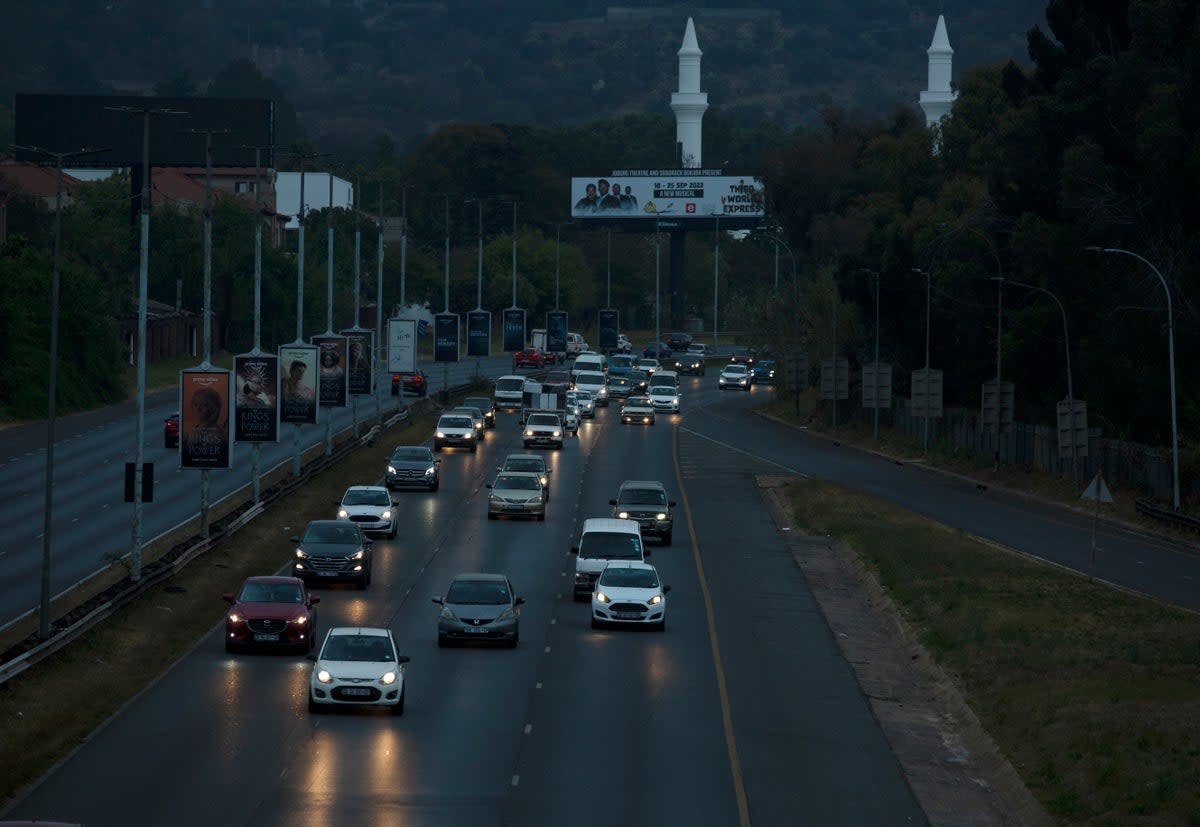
<point x="877" y="385"/>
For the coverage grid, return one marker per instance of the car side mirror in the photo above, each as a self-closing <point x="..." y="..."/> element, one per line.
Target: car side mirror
<point x="228" y="598"/>
<point x="671" y="503"/>
<point x="438" y="600"/>
<point x="403" y="659"/>
<point x="488" y="485"/>
<point x="295" y="538"/>
<point x="574" y="549"/>
<point x="395" y="502"/>
<point x="313" y="658"/>
<point x="520" y="601"/>
<point x="612" y="502"/>
<point x="314" y="599"/>
<point x="666" y="589"/>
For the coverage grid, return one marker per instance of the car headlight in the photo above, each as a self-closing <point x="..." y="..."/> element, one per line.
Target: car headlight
<point x="654" y="601"/>
<point x="302" y="554"/>
<point x="440" y="435"/>
<point x="343" y="513"/>
<point x="660" y="516"/>
<point x="429" y="472"/>
<point x="603" y="598"/>
<point x="624" y="515"/>
<point x="558" y="433"/>
<point x="447" y="614"/>
<point x="645" y="419"/>
<point x="387" y="515"/>
<point x="235" y="618"/>
<point x="358" y="555"/>
<point x="772" y="373"/>
<point x="388" y="678"/>
<point x="323" y="676"/>
<point x="528" y="432"/>
<point x="478" y="424"/>
<point x="543" y="480"/>
<point x="391" y="469"/>
<point x="301" y="620"/>
<point x="507" y="614"/>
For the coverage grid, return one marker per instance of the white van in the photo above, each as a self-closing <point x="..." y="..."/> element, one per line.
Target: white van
<point x="575" y="344"/>
<point x="591" y="361"/>
<point x="604" y="539"/>
<point x="664" y="377"/>
<point x="508" y="392"/>
<point x="594" y="382"/>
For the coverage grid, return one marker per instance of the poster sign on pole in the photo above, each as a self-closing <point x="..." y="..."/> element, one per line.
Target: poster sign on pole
<point x="205" y="421"/>
<point x="256" y="397"/>
<point x="445" y="337"/>
<point x="332" y="384"/>
<point x="402" y="345"/>
<point x="514" y="329"/>
<point x="479" y="333"/>
<point x="360" y="365"/>
<point x="610" y="326"/>
<point x="556" y="331"/>
<point x="298" y="398"/>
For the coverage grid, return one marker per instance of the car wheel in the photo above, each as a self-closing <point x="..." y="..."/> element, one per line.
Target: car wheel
<point x="437" y="447"/>
<point x="516" y="638"/>
<point x="541" y="517"/>
<point x="230" y="646"/>
<point x="398" y="709"/>
<point x="526" y="444"/>
<point x="442" y="642"/>
<point x="392" y="533"/>
<point x="491" y="516"/>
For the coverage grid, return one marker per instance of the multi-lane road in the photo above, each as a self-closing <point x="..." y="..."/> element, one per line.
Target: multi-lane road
<point x="747" y="715"/>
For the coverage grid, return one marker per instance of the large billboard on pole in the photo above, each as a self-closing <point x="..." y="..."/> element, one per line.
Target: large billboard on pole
<point x="298" y="400"/>
<point x="256" y="397"/>
<point x="479" y="333"/>
<point x="360" y="373"/>
<point x="402" y="345"/>
<point x="445" y="337"/>
<point x="644" y="194"/>
<point x="332" y="387"/>
<point x="514" y="329"/>
<point x="205" y="427"/>
<point x="556" y="331"/>
<point x="609" y="322"/>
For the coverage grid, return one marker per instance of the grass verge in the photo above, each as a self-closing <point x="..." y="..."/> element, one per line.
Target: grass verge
<point x="52" y="707"/>
<point x="1093" y="694"/>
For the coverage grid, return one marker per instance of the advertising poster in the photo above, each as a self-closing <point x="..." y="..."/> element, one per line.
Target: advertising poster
<point x="610" y="325"/>
<point x="298" y="384"/>
<point x="402" y="345"/>
<point x="205" y="424"/>
<point x="256" y="394"/>
<point x="445" y="337"/>
<point x="514" y="329"/>
<point x="360" y="373"/>
<point x="479" y="333"/>
<point x="331" y="388"/>
<point x="556" y="331"/>
<point x="645" y="193"/>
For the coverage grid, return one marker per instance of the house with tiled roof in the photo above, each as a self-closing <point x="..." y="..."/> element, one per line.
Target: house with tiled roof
<point x="34" y="181"/>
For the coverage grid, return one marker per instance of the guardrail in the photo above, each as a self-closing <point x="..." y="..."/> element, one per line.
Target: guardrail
<point x="1167" y="516"/>
<point x="82" y="618"/>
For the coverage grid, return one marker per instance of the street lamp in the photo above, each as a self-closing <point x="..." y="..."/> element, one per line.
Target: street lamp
<point x="1070" y="386"/>
<point x="716" y="272"/>
<point x="1171" y="363"/>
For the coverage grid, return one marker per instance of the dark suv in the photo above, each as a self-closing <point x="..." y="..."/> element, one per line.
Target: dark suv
<point x="645" y="502"/>
<point x="332" y="550"/>
<point x="486" y="406"/>
<point x="412" y="381"/>
<point x="679" y="341"/>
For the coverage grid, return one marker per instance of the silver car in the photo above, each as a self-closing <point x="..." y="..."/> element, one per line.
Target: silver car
<point x="476" y="416"/>
<point x="585" y="401"/>
<point x="516" y="495"/>
<point x="413" y="466"/>
<point x="533" y="464"/>
<point x="479" y="607"/>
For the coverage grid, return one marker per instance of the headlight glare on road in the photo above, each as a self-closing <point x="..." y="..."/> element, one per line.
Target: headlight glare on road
<point x="323" y="676"/>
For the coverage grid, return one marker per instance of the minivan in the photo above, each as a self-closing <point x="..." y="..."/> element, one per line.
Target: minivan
<point x="604" y="539"/>
<point x="595" y="383"/>
<point x="508" y="392"/>
<point x="591" y="361"/>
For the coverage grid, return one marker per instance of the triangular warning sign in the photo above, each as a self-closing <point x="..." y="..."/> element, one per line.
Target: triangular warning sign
<point x="1097" y="483"/>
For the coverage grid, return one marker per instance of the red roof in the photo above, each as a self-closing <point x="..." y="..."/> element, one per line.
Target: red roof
<point x="32" y="179"/>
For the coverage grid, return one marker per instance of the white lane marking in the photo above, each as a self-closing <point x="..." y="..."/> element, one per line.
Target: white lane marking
<point x="553" y="621"/>
<point x="800" y="474"/>
<point x="528" y="728"/>
<point x="516" y="779"/>
<point x="547" y="650"/>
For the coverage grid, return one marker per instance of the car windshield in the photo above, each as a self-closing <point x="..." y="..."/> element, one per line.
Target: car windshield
<point x="518" y="483"/>
<point x="604" y="545"/>
<point x="510" y="384"/>
<point x="478" y="402"/>
<point x="583" y="396"/>
<point x="527" y="465"/>
<point x="331" y="533"/>
<point x="455" y="422"/>
<point x="473" y="412"/>
<point x="647" y="363"/>
<point x="735" y="369"/>
<point x="363" y="496"/>
<point x="620" y="362"/>
<point x="412" y="454"/>
<point x="271" y="593"/>
<point x="373" y="648"/>
<point x="620" y="381"/>
<point x="478" y="593"/>
<point x="588" y="377"/>
<point x="621" y="577"/>
<point x="662" y="390"/>
<point x="642" y="496"/>
<point x="543" y="419"/>
<point x="635" y="401"/>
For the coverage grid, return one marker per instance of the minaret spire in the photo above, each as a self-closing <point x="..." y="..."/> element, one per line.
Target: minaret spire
<point x="689" y="103"/>
<point x="938" y="98"/>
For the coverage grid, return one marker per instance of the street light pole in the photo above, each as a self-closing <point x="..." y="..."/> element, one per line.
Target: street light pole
<point x="716" y="273"/>
<point x="1171" y="363"/>
<point x="608" y="303"/>
<point x="928" y="291"/>
<point x="514" y="255"/>
<point x="557" y="262"/>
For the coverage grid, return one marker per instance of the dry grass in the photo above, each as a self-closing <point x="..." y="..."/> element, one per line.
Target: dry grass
<point x="1093" y="694"/>
<point x="46" y="711"/>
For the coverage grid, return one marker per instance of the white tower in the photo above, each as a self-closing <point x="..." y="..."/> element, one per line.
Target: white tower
<point x="938" y="98"/>
<point x="689" y="103"/>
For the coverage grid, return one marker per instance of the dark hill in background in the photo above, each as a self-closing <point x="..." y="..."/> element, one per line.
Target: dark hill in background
<point x="354" y="70"/>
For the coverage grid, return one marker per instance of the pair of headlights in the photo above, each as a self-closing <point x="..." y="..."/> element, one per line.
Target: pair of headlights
<point x="387" y="678"/>
<point x="604" y="598"/>
<point x="344" y="514"/>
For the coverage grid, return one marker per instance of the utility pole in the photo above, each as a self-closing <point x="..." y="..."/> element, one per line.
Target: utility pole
<point x="378" y="312"/>
<point x="403" y="246"/>
<point x="135" y="566"/>
<point x="557" y="261"/>
<point x="608" y="303"/>
<point x="514" y="255"/>
<point x="716" y="274"/>
<point x="52" y="390"/>
<point x="357" y="287"/>
<point x="329" y="304"/>
<point x="257" y="348"/>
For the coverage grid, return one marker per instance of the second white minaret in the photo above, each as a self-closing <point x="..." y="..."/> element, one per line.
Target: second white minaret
<point x="689" y="103"/>
<point x="938" y="98"/>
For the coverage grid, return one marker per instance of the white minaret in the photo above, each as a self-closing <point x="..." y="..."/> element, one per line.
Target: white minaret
<point x="938" y="98"/>
<point x="689" y="103"/>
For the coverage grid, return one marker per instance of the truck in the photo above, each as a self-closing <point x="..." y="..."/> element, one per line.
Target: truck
<point x="538" y="340"/>
<point x="537" y="400"/>
<point x="576" y="345"/>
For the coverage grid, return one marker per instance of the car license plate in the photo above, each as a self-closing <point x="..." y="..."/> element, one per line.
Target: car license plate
<point x="627" y="615"/>
<point x="266" y="638"/>
<point x="328" y="573"/>
<point x="476" y="630"/>
<point x="355" y="690"/>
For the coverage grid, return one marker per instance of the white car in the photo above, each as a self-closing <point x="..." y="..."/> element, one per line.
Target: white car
<point x="595" y="383"/>
<point x="664" y="398"/>
<point x="637" y="410"/>
<point x="734" y="376"/>
<point x="371" y="507"/>
<point x="532" y="464"/>
<point x="648" y="364"/>
<point x="699" y="349"/>
<point x="543" y="429"/>
<point x="623" y="344"/>
<point x="585" y="401"/>
<point x="476" y="417"/>
<point x="629" y="593"/>
<point x="457" y="431"/>
<point x="357" y="666"/>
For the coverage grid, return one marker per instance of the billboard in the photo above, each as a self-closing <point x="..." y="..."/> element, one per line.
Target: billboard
<point x="681" y="193"/>
<point x="256" y="395"/>
<point x="402" y="345"/>
<point x="609" y="322"/>
<point x="360" y="373"/>
<point x="445" y="337"/>
<point x="331" y="389"/>
<point x="479" y="333"/>
<point x="205" y="426"/>
<point x="95" y="120"/>
<point x="514" y="329"/>
<point x="556" y="331"/>
<point x="298" y="399"/>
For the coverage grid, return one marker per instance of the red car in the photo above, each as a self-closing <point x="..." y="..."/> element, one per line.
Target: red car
<point x="530" y="357"/>
<point x="171" y="431"/>
<point x="743" y="356"/>
<point x="273" y="612"/>
<point x="412" y="381"/>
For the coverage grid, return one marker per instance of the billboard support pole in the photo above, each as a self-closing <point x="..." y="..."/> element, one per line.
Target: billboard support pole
<point x="514" y="256"/>
<point x="357" y="287"/>
<point x="329" y="302"/>
<point x="608" y="304"/>
<point x="258" y="228"/>
<point x="378" y="311"/>
<point x="716" y="274"/>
